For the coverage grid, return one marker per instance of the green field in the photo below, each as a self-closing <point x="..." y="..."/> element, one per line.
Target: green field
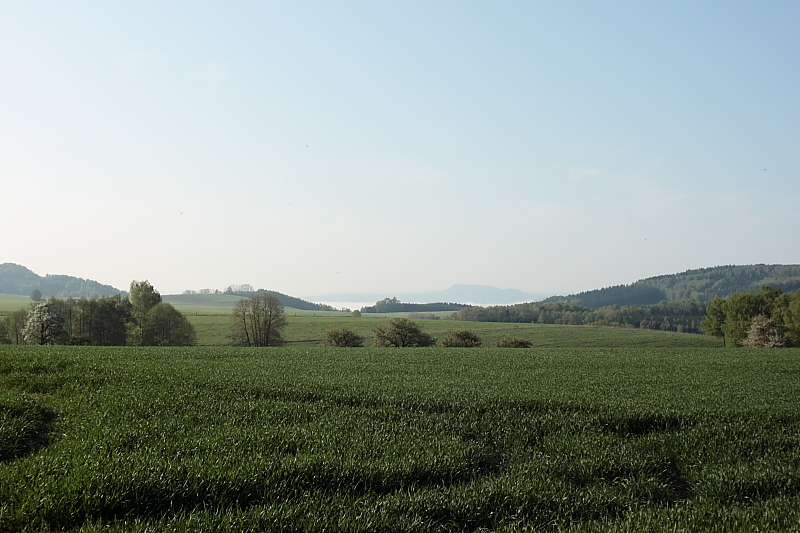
<point x="313" y="439"/>
<point x="306" y="330"/>
<point x="13" y="302"/>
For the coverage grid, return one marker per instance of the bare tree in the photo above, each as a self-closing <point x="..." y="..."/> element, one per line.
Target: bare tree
<point x="258" y="321"/>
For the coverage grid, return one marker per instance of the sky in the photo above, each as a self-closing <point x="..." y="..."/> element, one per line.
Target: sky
<point x="319" y="147"/>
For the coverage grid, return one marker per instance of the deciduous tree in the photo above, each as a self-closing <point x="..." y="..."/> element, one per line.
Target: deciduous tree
<point x="402" y="333"/>
<point x="45" y="325"/>
<point x="143" y="298"/>
<point x="460" y="338"/>
<point x="168" y="327"/>
<point x="342" y="338"/>
<point x="258" y="321"/>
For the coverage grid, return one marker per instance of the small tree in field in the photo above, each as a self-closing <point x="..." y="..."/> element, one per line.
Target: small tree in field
<point x="45" y="326"/>
<point x="402" y="333"/>
<point x="342" y="338"/>
<point x="460" y="338"/>
<point x="764" y="333"/>
<point x="36" y="295"/>
<point x="258" y="321"/>
<point x="513" y="342"/>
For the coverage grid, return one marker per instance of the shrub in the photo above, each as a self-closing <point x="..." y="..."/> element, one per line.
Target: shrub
<point x="764" y="333"/>
<point x="342" y="338"/>
<point x="402" y="333"/>
<point x="460" y="338"/>
<point x="513" y="342"/>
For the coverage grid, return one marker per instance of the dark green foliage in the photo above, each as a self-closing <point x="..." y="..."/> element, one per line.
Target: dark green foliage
<point x="168" y="327"/>
<point x="342" y="338"/>
<point x="513" y="342"/>
<point x="143" y="298"/>
<point x="16" y="279"/>
<point x="428" y="440"/>
<point x="393" y="305"/>
<point x="702" y="285"/>
<point x="36" y="295"/>
<point x="285" y="300"/>
<point x="683" y="317"/>
<point x="402" y="333"/>
<point x="460" y="338"/>
<point x="733" y="318"/>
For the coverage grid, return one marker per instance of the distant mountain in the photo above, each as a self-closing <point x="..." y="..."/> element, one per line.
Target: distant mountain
<point x="16" y="279"/>
<point x="472" y="294"/>
<point x="702" y="285"/>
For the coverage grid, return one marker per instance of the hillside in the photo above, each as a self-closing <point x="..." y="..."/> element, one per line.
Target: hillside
<point x="17" y="279"/>
<point x="702" y="285"/>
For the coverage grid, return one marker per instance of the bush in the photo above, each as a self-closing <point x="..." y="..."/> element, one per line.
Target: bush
<point x="460" y="338"/>
<point x="513" y="342"/>
<point x="765" y="333"/>
<point x="342" y="338"/>
<point x="402" y="333"/>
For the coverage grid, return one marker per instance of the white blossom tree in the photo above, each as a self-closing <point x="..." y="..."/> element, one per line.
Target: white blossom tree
<point x="45" y="325"/>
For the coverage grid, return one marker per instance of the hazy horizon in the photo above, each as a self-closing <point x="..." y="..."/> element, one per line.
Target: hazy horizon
<point x="324" y="147"/>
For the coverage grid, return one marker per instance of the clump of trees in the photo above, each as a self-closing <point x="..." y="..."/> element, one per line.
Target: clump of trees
<point x="460" y="338"/>
<point x="681" y="317"/>
<point x="765" y="319"/>
<point x="141" y="320"/>
<point x="393" y="305"/>
<point x="342" y="338"/>
<point x="402" y="333"/>
<point x="513" y="342"/>
<point x="258" y="321"/>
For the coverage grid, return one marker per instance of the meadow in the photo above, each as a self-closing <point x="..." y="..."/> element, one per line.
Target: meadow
<point x="315" y="439"/>
<point x="307" y="330"/>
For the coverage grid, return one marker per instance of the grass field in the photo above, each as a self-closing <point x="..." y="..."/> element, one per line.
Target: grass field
<point x="12" y="302"/>
<point x="214" y="330"/>
<point x="312" y="439"/>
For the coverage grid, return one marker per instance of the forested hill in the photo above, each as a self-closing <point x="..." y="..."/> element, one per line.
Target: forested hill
<point x="703" y="285"/>
<point x="16" y="279"/>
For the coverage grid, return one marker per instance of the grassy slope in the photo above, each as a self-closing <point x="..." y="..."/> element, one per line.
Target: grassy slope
<point x="221" y="439"/>
<point x="213" y="330"/>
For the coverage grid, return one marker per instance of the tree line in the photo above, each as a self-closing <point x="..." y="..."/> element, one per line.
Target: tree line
<point x="682" y="317"/>
<point x="393" y="305"/>
<point x="703" y="285"/>
<point x="767" y="318"/>
<point x="140" y="319"/>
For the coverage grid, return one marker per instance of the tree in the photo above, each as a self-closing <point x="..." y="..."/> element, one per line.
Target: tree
<point x="258" y="321"/>
<point x="14" y="326"/>
<point x="513" y="342"/>
<point x="342" y="338"/>
<point x="356" y="314"/>
<point x="168" y="327"/>
<point x="402" y="333"/>
<point x="143" y="298"/>
<point x="36" y="295"/>
<point x="765" y="333"/>
<point x="714" y="320"/>
<point x="460" y="338"/>
<point x="45" y="325"/>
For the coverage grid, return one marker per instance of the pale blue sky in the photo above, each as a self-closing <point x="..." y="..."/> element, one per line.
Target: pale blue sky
<point x="313" y="147"/>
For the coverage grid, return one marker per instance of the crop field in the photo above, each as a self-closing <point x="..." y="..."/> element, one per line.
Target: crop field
<point x="307" y="330"/>
<point x="315" y="439"/>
